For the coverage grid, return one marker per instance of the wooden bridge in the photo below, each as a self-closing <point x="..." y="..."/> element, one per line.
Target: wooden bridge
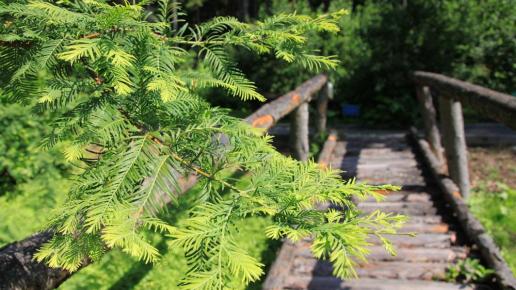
<point x="433" y="179"/>
<point x="445" y="230"/>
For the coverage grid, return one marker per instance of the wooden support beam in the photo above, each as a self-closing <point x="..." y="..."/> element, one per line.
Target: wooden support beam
<point x="325" y="95"/>
<point x="454" y="139"/>
<point x="471" y="226"/>
<point x="430" y="121"/>
<point x="327" y="150"/>
<point x="299" y="142"/>
<point x="498" y="106"/>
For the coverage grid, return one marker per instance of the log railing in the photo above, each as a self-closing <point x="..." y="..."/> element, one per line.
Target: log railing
<point x="18" y="269"/>
<point x="297" y="100"/>
<point x="452" y="94"/>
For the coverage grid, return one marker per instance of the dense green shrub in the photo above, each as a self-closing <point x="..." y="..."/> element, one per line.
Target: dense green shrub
<point x="129" y="112"/>
<point x="30" y="177"/>
<point x="384" y="41"/>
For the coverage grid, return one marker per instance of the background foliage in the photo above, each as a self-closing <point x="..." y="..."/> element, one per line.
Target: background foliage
<point x="383" y="41"/>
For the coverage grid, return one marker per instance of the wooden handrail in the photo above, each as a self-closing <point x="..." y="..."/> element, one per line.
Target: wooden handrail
<point x="469" y="223"/>
<point x="498" y="106"/>
<point x="295" y="101"/>
<point x="20" y="271"/>
<point x="452" y="94"/>
<point x="270" y="113"/>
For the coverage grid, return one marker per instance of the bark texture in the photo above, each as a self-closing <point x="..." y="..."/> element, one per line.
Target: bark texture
<point x="18" y="270"/>
<point x="454" y="139"/>
<point x="492" y="104"/>
<point x="299" y="133"/>
<point x="430" y="121"/>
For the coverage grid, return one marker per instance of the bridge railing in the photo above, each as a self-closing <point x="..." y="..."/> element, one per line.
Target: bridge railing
<point x="297" y="101"/>
<point x="452" y="94"/>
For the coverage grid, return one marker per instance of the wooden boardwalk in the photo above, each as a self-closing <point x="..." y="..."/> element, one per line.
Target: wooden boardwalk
<point x="379" y="158"/>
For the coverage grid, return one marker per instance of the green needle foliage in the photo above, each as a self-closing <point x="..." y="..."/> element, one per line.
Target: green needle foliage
<point x="125" y="89"/>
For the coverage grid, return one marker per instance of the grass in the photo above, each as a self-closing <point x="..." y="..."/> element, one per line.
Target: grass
<point x="493" y="197"/>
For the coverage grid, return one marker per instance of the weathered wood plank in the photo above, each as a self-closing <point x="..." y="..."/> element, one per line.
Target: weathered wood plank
<point x="414" y="255"/>
<point x="374" y="269"/>
<point x="331" y="283"/>
<point x="406" y="208"/>
<point x="429" y="240"/>
<point x="414" y="227"/>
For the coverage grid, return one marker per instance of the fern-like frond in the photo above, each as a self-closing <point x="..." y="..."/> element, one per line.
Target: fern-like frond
<point x="81" y="48"/>
<point x="240" y="86"/>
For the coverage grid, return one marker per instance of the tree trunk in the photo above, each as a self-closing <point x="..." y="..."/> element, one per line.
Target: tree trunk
<point x="18" y="270"/>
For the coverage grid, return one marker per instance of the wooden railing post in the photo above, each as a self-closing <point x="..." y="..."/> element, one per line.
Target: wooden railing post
<point x="299" y="132"/>
<point x="325" y="95"/>
<point x="430" y="122"/>
<point x="452" y="125"/>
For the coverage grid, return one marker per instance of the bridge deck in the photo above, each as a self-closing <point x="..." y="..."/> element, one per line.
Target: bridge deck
<point x="380" y="158"/>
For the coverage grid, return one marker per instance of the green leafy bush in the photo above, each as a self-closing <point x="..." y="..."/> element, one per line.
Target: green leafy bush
<point x="468" y="271"/>
<point x="127" y="111"/>
<point x="493" y="204"/>
<point x="30" y="177"/>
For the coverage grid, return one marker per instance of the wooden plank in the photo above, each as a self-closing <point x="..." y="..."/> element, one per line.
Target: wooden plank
<point x="472" y="227"/>
<point x="431" y="219"/>
<point x="406" y="208"/>
<point x="415" y="227"/>
<point x="413" y="255"/>
<point x="492" y="104"/>
<point x="377" y="270"/>
<point x="331" y="283"/>
<point x="429" y="240"/>
<point x="454" y="140"/>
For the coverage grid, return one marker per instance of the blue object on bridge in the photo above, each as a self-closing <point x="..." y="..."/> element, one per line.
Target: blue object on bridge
<point x="349" y="110"/>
